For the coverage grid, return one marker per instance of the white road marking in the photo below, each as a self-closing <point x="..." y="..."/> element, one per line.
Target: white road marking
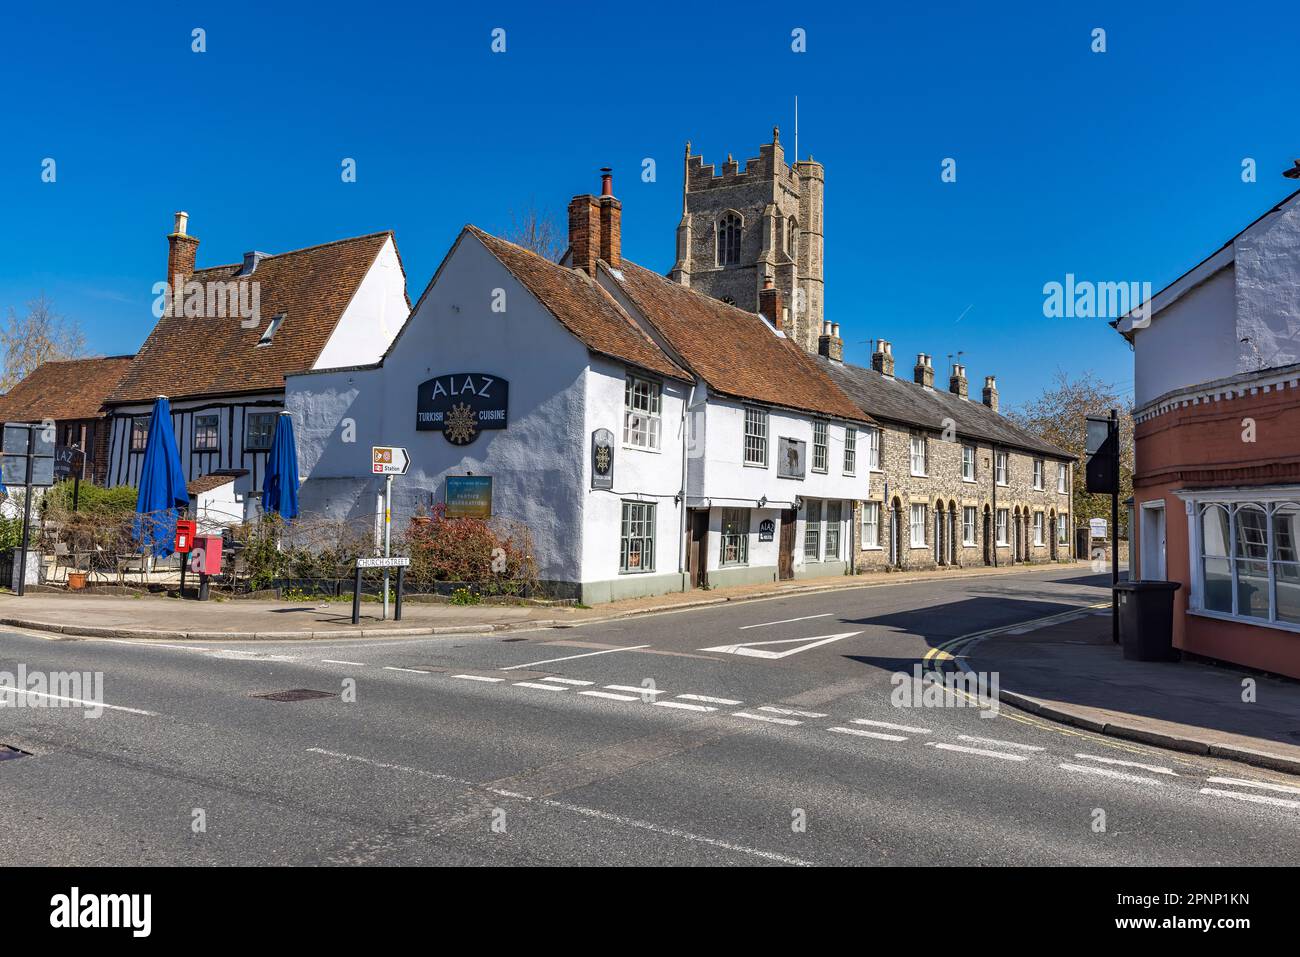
<point x="634" y="689"/>
<point x="539" y="686"/>
<point x="684" y="705"/>
<point x="1005" y="744"/>
<point x="231" y="654"/>
<point x="708" y="700"/>
<point x="551" y="661"/>
<point x="610" y="695"/>
<point x="1108" y="773"/>
<point x="752" y="649"/>
<point x="571" y="681"/>
<point x="336" y="661"/>
<point x="791" y="712"/>
<point x="150" y="644"/>
<point x="784" y="621"/>
<point x="869" y="734"/>
<point x="478" y="678"/>
<point x="965" y="750"/>
<point x="1253" y="798"/>
<point x="763" y="717"/>
<point x="886" y="724"/>
<point x="414" y="671"/>
<point x="1242" y="782"/>
<point x="1129" y="764"/>
<point x="81" y="701"/>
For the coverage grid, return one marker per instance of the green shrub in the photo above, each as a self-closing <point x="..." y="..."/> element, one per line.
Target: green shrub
<point x="118" y="500"/>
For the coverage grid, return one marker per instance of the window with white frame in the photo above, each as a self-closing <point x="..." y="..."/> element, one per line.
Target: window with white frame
<point x="820" y="448"/>
<point x="1248" y="561"/>
<point x="1000" y="468"/>
<point x="918" y="453"/>
<point x="756" y="437"/>
<point x="1038" y="474"/>
<point x="642" y="401"/>
<point x="1062" y="530"/>
<point x="637" y="537"/>
<point x="1061" y="474"/>
<point x="1003" y="520"/>
<point x="969" y="516"/>
<point x="1038" y="528"/>
<point x="259" y="430"/>
<point x="207" y="432"/>
<point x="870" y="524"/>
<point x="850" y="450"/>
<point x="735" y="537"/>
<point x="918" y="526"/>
<point x="873" y="449"/>
<point x="968" y="463"/>
<point x="812" y="530"/>
<point x="833" y="512"/>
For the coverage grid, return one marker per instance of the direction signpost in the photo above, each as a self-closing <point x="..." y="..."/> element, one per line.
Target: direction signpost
<point x="385" y="460"/>
<point x="28" y="461"/>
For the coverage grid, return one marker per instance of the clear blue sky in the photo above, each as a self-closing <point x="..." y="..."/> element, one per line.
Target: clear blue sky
<point x="1117" y="166"/>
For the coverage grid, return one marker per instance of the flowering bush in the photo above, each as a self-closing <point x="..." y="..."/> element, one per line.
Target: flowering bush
<point x="496" y="556"/>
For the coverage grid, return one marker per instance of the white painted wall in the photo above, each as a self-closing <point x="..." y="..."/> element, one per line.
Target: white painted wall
<point x="374" y="316"/>
<point x="1268" y="293"/>
<point x="1194" y="340"/>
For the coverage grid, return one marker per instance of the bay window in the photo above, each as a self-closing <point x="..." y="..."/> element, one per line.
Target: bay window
<point x="1245" y="559"/>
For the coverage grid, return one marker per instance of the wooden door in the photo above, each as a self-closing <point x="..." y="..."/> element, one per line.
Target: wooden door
<point x="785" y="559"/>
<point x="697" y="550"/>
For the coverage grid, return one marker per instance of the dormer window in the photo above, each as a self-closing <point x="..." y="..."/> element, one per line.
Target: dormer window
<point x="272" y="328"/>
<point x="730" y="228"/>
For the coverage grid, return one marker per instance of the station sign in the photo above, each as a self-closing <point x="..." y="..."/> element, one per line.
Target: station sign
<point x="389" y="460"/>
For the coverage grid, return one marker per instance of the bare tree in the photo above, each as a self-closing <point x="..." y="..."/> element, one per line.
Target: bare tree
<point x="1057" y="416"/>
<point x="537" y="230"/>
<point x="39" y="336"/>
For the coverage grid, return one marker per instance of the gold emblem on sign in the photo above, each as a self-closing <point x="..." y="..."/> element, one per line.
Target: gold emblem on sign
<point x="461" y="425"/>
<point x="602" y="459"/>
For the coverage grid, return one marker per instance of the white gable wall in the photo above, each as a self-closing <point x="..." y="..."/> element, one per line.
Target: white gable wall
<point x="373" y="318"/>
<point x="1194" y="340"/>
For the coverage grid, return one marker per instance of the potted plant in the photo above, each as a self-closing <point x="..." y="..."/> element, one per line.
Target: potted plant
<point x="76" y="580"/>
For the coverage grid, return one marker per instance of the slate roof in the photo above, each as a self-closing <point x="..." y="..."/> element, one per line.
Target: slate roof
<point x="218" y="356"/>
<point x="582" y="307"/>
<point x="903" y="401"/>
<point x="735" y="352"/>
<point x="64" y="389"/>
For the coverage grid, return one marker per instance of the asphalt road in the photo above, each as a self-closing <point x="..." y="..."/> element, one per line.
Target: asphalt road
<point x="758" y="733"/>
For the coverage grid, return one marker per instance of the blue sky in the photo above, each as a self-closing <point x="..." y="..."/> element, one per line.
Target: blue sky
<point x="1115" y="166"/>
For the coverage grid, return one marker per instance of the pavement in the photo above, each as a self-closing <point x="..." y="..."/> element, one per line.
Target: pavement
<point x="779" y="732"/>
<point x="172" y="619"/>
<point x="1070" y="670"/>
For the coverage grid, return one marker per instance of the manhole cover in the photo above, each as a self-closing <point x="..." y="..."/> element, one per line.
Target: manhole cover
<point x="295" y="694"/>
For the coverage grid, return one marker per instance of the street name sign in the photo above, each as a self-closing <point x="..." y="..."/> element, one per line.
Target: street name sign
<point x="381" y="562"/>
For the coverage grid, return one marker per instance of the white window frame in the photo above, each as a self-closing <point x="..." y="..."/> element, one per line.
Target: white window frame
<point x="821" y="447"/>
<point x="215" y="433"/>
<point x="874" y="439"/>
<point x="1001" y="468"/>
<point x="833" y="529"/>
<point x="139" y="427"/>
<point x="737" y="538"/>
<point x="1271" y="500"/>
<point x="1039" y="525"/>
<point x="1062" y="530"/>
<point x="642" y="413"/>
<point x="870" y="525"/>
<point x="1002" y="526"/>
<point x="812" y="530"/>
<point x="637" y="517"/>
<point x="1039" y="468"/>
<point x="970" y="517"/>
<point x="755" y="437"/>
<point x="968" y="459"/>
<point x="1062" y="471"/>
<point x="918" y="520"/>
<point x="850" y="450"/>
<point x="912" y="456"/>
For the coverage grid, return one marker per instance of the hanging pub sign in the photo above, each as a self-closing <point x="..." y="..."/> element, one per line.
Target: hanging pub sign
<point x="766" y="530"/>
<point x="602" y="459"/>
<point x="790" y="457"/>
<point x="460" y="405"/>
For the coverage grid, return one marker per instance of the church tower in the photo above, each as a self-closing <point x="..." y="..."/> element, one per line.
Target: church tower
<point x="740" y="228"/>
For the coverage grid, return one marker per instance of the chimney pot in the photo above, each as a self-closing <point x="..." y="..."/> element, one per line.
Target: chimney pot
<point x="923" y="373"/>
<point x="606" y="181"/>
<point x="957" y="381"/>
<point x="882" y="360"/>
<point x="182" y="249"/>
<point x="991" y="392"/>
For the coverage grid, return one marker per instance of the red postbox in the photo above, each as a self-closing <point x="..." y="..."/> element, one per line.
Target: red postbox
<point x="185" y="532"/>
<point x="205" y="557"/>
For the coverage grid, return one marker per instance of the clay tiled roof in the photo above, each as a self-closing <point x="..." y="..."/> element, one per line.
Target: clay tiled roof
<point x="734" y="351"/>
<point x="216" y="356"/>
<point x="582" y="307"/>
<point x="206" y="483"/>
<point x="64" y="389"/>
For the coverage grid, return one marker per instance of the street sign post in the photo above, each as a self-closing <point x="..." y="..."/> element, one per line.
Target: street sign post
<point x="1102" y="475"/>
<point x="28" y="460"/>
<point x="386" y="562"/>
<point x="386" y="460"/>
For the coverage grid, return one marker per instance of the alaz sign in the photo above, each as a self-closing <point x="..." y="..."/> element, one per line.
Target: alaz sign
<point x="460" y="405"/>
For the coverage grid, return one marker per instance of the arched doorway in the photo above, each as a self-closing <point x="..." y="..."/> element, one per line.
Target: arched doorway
<point x="954" y="534"/>
<point x="895" y="533"/>
<point x="1051" y="535"/>
<point x="939" y="543"/>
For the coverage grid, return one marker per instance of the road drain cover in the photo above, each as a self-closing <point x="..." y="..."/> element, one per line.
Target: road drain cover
<point x="7" y="753"/>
<point x="514" y="639"/>
<point x="295" y="694"/>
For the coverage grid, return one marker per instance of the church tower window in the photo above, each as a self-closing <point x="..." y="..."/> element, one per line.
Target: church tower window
<point x="729" y="232"/>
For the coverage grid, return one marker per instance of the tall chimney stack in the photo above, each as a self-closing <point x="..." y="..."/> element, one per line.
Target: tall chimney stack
<point x="182" y="249"/>
<point x="957" y="381"/>
<point x="991" y="392"/>
<point x="611" y="220"/>
<point x="882" y="360"/>
<point x="829" y="343"/>
<point x="584" y="232"/>
<point x="769" y="304"/>
<point x="923" y="373"/>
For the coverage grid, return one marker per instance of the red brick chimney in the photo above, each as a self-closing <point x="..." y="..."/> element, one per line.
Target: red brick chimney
<point x="611" y="220"/>
<point x="181" y="251"/>
<point x="769" y="303"/>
